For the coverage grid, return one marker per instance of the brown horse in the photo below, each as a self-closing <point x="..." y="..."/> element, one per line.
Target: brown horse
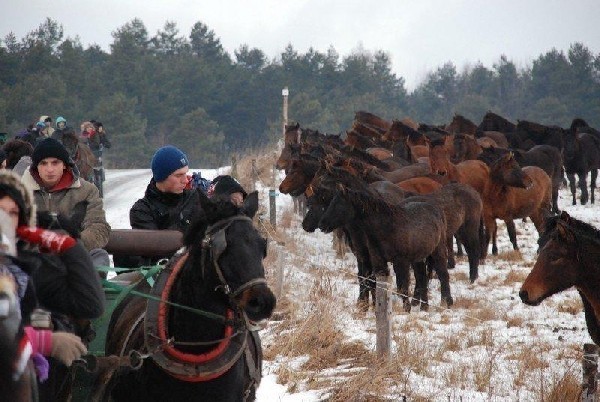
<point x="461" y="125"/>
<point x="466" y="147"/>
<point x="568" y="256"/>
<point x="514" y="193"/>
<point x="372" y="120"/>
<point x="81" y="154"/>
<point x="419" y="185"/>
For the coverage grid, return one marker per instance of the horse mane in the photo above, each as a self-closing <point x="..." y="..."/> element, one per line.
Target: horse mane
<point x="210" y="213"/>
<point x="363" y="156"/>
<point x="355" y="190"/>
<point x="578" y="226"/>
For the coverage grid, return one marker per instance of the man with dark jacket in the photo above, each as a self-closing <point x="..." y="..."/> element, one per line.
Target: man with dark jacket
<point x="167" y="204"/>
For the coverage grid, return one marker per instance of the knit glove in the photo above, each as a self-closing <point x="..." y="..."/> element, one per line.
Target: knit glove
<point x="67" y="347"/>
<point x="46" y="239"/>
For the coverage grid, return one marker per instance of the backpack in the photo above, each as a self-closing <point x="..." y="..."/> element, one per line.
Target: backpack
<point x="197" y="181"/>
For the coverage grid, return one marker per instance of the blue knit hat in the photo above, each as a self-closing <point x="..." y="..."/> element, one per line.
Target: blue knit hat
<point x="167" y="160"/>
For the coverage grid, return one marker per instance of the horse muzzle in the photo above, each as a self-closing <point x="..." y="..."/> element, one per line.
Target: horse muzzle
<point x="258" y="302"/>
<point x="525" y="299"/>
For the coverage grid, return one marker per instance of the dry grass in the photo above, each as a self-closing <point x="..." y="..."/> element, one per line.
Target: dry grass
<point x="515" y="276"/>
<point x="512" y="256"/>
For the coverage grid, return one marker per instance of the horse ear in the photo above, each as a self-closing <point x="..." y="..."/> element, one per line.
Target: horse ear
<point x="251" y="204"/>
<point x="564" y="216"/>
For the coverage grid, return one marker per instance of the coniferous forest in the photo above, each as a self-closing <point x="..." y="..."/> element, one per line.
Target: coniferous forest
<point x="185" y="89"/>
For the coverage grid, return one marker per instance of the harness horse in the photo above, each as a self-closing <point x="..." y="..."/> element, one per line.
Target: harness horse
<point x="197" y="334"/>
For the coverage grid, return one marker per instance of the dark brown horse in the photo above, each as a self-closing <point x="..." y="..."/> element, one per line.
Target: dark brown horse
<point x="581" y="154"/>
<point x="461" y="125"/>
<point x="514" y="193"/>
<point x="372" y="120"/>
<point x="404" y="233"/>
<point x="320" y="195"/>
<point x="568" y="257"/>
<point x="81" y="154"/>
<point x="211" y="352"/>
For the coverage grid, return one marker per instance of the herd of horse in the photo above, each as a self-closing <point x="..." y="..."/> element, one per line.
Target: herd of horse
<point x="401" y="192"/>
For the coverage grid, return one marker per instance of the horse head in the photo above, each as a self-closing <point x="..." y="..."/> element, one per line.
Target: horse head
<point x="231" y="255"/>
<point x="439" y="160"/>
<point x="507" y="171"/>
<point x="556" y="266"/>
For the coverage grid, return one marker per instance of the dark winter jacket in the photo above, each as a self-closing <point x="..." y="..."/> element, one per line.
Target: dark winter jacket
<point x="65" y="283"/>
<point x="161" y="211"/>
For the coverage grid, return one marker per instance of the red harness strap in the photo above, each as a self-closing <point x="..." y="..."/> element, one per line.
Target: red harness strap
<point x="187" y="357"/>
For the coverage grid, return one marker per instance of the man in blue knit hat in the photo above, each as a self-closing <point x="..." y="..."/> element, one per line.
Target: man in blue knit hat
<point x="166" y="203"/>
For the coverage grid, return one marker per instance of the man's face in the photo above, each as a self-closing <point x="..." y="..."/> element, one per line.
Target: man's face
<point x="51" y="171"/>
<point x="175" y="183"/>
<point x="61" y="124"/>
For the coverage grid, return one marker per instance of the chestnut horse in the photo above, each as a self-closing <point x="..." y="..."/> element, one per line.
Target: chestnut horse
<point x="568" y="256"/>
<point x="514" y="193"/>
<point x="82" y="155"/>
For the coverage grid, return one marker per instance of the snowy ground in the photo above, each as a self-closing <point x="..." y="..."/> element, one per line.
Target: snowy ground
<point x="490" y="346"/>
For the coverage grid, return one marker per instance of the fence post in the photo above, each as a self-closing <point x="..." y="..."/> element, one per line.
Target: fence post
<point x="273" y="208"/>
<point x="383" y="312"/>
<point x="254" y="176"/>
<point x="590" y="369"/>
<point x="234" y="172"/>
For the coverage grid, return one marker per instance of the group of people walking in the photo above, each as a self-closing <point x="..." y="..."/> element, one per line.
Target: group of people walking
<point x="58" y="223"/>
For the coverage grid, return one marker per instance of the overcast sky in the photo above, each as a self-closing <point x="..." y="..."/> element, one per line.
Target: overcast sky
<point x="419" y="35"/>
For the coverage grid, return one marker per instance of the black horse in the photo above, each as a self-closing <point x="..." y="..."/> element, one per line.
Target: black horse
<point x="212" y="354"/>
<point x="581" y="154"/>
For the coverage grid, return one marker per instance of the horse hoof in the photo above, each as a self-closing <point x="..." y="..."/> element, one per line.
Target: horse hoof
<point x="494" y="251"/>
<point x="449" y="301"/>
<point x="424" y="306"/>
<point x="451" y="264"/>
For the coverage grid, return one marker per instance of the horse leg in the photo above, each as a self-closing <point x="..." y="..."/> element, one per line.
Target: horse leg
<point x="593" y="176"/>
<point x="459" y="247"/>
<point x="401" y="269"/>
<point x="583" y="187"/>
<point x="573" y="187"/>
<point x="420" y="295"/>
<point x="494" y="232"/>
<point x="449" y="244"/>
<point x="363" y="284"/>
<point x="439" y="262"/>
<point x="470" y="236"/>
<point x="512" y="233"/>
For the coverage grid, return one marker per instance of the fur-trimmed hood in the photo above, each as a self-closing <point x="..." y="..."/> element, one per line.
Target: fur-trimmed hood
<point x="12" y="181"/>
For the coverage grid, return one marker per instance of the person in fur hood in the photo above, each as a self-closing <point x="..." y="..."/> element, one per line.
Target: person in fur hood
<point x="62" y="280"/>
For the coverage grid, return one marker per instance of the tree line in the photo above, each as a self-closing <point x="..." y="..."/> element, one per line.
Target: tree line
<point x="190" y="92"/>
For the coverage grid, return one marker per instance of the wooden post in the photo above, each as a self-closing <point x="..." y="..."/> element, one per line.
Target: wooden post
<point x="590" y="369"/>
<point x="273" y="208"/>
<point x="383" y="312"/>
<point x="254" y="176"/>
<point x="285" y="93"/>
<point x="234" y="172"/>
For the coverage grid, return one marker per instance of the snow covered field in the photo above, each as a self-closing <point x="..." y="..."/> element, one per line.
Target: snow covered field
<point x="489" y="346"/>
